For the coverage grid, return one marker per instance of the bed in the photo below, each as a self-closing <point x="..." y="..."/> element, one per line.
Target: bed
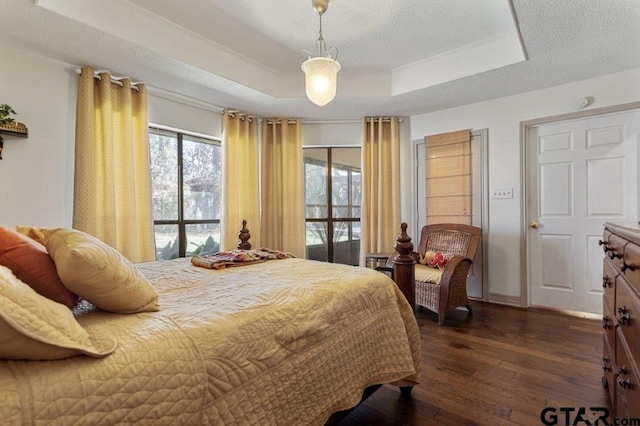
<point x="286" y="341"/>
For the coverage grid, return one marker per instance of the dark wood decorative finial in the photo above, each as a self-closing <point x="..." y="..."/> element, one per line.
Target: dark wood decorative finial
<point x="244" y="236"/>
<point x="403" y="265"/>
<point x="403" y="244"/>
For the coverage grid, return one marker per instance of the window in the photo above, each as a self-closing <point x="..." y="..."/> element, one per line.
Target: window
<point x="332" y="175"/>
<point x="186" y="178"/>
<point x="448" y="177"/>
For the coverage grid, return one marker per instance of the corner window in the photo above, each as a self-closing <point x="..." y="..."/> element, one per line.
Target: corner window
<point x="186" y="178"/>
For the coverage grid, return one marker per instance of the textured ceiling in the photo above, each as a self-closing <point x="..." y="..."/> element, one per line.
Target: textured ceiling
<point x="564" y="40"/>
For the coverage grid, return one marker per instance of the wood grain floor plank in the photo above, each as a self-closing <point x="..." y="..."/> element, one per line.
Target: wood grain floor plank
<point x="497" y="366"/>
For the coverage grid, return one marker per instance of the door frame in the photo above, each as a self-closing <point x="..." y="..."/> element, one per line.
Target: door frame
<point x="525" y="126"/>
<point x="484" y="201"/>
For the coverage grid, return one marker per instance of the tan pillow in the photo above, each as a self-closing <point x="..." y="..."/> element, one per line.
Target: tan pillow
<point x="426" y="274"/>
<point x="96" y="271"/>
<point x="35" y="328"/>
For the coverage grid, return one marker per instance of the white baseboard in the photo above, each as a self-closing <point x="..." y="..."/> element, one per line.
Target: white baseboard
<point x="504" y="299"/>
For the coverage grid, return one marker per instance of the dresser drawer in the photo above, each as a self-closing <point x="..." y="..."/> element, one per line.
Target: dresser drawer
<point x="615" y="248"/>
<point x="627" y="315"/>
<point x="609" y="274"/>
<point x="608" y="365"/>
<point x="627" y="385"/>
<point x="631" y="265"/>
<point x="608" y="324"/>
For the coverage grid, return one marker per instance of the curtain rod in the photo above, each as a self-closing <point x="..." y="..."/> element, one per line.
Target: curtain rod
<point x="386" y="120"/>
<point x="279" y="121"/>
<point x="242" y="116"/>
<point x="115" y="80"/>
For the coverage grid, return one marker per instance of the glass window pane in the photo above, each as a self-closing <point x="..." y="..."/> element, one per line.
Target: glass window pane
<point x="163" y="149"/>
<point x="346" y="248"/>
<point x="203" y="238"/>
<point x="166" y="241"/>
<point x="356" y="193"/>
<point x="202" y="177"/>
<point x="344" y="163"/>
<point x="315" y="169"/>
<point x="317" y="248"/>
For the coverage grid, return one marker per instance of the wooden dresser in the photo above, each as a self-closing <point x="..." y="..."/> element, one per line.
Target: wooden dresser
<point x="621" y="317"/>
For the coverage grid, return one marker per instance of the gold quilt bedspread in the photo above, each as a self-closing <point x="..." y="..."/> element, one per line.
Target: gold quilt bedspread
<point x="283" y="342"/>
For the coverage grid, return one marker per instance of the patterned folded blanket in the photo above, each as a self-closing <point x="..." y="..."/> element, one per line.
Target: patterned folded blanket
<point x="225" y="259"/>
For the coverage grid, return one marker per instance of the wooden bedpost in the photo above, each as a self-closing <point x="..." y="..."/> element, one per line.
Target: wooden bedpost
<point x="403" y="265"/>
<point x="244" y="236"/>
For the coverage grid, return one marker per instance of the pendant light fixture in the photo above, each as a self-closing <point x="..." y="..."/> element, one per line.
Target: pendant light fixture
<point x="321" y="66"/>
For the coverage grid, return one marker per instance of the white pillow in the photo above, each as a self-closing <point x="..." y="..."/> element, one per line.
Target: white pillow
<point x="33" y="327"/>
<point x="96" y="271"/>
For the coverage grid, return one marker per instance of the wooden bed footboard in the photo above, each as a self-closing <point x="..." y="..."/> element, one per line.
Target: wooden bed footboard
<point x="404" y="271"/>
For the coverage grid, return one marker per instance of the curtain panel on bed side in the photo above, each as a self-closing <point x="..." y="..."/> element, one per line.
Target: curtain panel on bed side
<point x="240" y="179"/>
<point x="112" y="180"/>
<point x="283" y="214"/>
<point x="380" y="185"/>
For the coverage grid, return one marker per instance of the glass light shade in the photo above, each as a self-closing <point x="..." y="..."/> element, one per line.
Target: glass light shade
<point x="321" y="75"/>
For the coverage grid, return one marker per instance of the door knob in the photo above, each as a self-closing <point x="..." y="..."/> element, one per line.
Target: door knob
<point x="534" y="225"/>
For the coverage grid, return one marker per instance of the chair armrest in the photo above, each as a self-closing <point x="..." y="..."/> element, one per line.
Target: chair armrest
<point x="457" y="266"/>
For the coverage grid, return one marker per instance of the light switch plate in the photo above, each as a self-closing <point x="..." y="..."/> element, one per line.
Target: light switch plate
<point x="501" y="193"/>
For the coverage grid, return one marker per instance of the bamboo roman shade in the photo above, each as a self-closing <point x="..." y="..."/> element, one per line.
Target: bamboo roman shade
<point x="448" y="177"/>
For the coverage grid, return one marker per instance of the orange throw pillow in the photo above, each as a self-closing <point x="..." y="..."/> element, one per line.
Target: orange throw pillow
<point x="31" y="264"/>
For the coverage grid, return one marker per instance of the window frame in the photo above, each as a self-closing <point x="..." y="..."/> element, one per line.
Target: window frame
<point x="330" y="220"/>
<point x="181" y="222"/>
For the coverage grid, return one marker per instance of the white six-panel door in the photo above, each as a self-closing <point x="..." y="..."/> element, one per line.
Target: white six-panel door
<point x="581" y="174"/>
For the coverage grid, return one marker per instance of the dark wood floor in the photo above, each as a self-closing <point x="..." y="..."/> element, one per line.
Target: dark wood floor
<point x="499" y="365"/>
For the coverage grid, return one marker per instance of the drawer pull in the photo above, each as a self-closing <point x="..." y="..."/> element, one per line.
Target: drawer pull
<point x="624" y="384"/>
<point x="606" y="281"/>
<point x="624" y="266"/>
<point x="606" y="322"/>
<point x="624" y="319"/>
<point x="606" y="364"/>
<point x="622" y="370"/>
<point x="613" y="255"/>
<point x="605" y="245"/>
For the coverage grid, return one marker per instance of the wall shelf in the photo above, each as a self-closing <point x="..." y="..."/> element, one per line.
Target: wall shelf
<point x="15" y="129"/>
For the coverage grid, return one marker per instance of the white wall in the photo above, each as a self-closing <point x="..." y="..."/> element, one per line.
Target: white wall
<point x="502" y="117"/>
<point x="36" y="174"/>
<point x="182" y="116"/>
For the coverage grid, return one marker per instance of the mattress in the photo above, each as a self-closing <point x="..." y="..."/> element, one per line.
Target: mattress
<point x="287" y="341"/>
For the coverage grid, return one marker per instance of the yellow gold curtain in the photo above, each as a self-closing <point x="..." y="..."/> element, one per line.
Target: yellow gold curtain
<point x="240" y="179"/>
<point x="380" y="185"/>
<point x="448" y="177"/>
<point x="283" y="225"/>
<point x="112" y="181"/>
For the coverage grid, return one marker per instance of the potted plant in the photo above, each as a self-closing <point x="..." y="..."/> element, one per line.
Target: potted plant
<point x="5" y="119"/>
<point x="5" y="112"/>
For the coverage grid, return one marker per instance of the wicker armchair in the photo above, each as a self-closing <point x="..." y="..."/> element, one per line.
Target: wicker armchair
<point x="442" y="291"/>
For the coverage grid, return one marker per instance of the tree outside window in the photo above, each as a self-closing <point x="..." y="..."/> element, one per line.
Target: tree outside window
<point x="186" y="177"/>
